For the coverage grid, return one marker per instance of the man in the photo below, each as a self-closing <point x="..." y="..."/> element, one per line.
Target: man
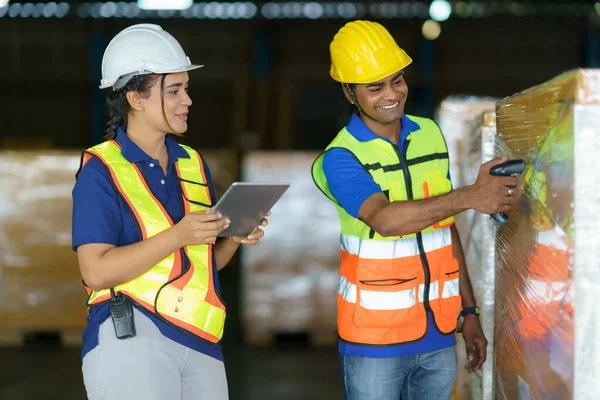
<point x="399" y="292"/>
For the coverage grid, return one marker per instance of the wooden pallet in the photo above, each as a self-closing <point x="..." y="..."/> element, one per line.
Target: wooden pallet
<point x="10" y="337"/>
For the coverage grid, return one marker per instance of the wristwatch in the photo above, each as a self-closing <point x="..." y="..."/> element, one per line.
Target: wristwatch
<point x="461" y="317"/>
<point x="470" y="310"/>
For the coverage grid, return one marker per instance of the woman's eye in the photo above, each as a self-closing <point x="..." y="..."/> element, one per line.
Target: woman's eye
<point x="375" y="90"/>
<point x="174" y="92"/>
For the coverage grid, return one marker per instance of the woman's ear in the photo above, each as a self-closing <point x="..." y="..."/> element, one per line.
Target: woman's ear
<point x="136" y="102"/>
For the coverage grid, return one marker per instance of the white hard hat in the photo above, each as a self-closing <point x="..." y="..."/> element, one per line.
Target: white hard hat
<point x="142" y="49"/>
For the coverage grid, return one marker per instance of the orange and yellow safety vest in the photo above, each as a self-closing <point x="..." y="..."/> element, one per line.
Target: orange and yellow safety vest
<point x="184" y="297"/>
<point x="387" y="284"/>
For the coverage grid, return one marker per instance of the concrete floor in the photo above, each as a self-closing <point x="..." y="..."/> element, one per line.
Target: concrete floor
<point x="290" y="372"/>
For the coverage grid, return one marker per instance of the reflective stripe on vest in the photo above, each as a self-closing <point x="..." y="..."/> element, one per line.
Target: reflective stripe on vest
<point x="186" y="299"/>
<point x="383" y="251"/>
<point x="388" y="283"/>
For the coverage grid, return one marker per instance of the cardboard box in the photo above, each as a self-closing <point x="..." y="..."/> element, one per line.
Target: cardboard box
<point x="41" y="285"/>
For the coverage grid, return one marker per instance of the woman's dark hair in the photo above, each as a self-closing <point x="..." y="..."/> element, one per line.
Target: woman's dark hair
<point x="118" y="106"/>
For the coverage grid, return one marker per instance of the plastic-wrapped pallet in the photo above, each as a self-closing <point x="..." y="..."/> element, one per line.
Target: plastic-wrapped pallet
<point x="457" y="117"/>
<point x="40" y="284"/>
<point x="290" y="280"/>
<point x="478" y="242"/>
<point x="547" y="261"/>
<point x="463" y="120"/>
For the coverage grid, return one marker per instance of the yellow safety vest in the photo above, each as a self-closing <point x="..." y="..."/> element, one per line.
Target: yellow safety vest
<point x="388" y="283"/>
<point x="184" y="298"/>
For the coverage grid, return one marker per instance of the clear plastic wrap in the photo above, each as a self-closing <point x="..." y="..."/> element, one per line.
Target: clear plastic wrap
<point x="547" y="251"/>
<point x="40" y="283"/>
<point x="290" y="280"/>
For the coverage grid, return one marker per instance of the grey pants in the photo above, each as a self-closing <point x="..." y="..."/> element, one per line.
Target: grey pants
<point x="150" y="366"/>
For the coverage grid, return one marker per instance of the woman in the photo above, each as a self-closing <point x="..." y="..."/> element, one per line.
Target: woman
<point x="147" y="247"/>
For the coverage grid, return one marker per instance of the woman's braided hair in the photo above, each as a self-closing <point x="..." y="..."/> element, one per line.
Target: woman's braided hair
<point x="118" y="106"/>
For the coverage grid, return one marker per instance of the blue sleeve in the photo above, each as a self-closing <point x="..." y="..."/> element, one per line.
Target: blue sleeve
<point x="348" y="182"/>
<point x="96" y="210"/>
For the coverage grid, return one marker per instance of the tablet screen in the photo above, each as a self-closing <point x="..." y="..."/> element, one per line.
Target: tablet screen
<point x="246" y="204"/>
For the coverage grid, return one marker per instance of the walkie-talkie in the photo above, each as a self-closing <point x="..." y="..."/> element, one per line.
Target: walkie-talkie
<point x="121" y="312"/>
<point x="509" y="168"/>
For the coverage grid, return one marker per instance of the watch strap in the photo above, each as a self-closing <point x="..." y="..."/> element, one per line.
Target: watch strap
<point x="470" y="310"/>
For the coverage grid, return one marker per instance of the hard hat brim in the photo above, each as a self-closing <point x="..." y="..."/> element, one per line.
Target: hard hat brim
<point x="112" y="82"/>
<point x="371" y="79"/>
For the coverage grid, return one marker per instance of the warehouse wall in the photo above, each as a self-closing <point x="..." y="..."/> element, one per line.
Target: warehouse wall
<point x="265" y="83"/>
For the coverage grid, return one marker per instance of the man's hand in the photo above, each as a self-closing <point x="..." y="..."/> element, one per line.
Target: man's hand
<point x="490" y="194"/>
<point x="475" y="342"/>
<point x="254" y="237"/>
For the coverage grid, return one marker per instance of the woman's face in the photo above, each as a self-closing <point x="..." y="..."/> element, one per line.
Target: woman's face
<point x="171" y="118"/>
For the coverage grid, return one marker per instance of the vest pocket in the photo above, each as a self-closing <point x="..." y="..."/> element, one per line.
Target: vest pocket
<point x="386" y="296"/>
<point x="197" y="194"/>
<point x="435" y="184"/>
<point x="449" y="292"/>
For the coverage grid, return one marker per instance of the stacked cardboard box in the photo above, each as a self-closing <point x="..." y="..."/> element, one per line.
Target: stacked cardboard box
<point x="478" y="241"/>
<point x="41" y="285"/>
<point x="290" y="279"/>
<point x="468" y="124"/>
<point x="458" y="117"/>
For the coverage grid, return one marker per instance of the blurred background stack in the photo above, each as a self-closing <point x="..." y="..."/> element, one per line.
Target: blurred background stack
<point x="290" y="281"/>
<point x="472" y="123"/>
<point x="41" y="285"/>
<point x="500" y="78"/>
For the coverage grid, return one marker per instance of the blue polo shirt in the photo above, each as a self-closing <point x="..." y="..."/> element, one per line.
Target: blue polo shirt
<point x="351" y="185"/>
<point x="101" y="215"/>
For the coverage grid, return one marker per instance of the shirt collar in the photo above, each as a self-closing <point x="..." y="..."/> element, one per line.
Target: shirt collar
<point x="362" y="133"/>
<point x="134" y="154"/>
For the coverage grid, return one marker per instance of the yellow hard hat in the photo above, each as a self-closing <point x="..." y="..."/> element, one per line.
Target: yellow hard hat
<point x="365" y="52"/>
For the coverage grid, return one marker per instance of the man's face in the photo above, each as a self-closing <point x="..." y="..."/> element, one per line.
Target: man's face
<point x="383" y="100"/>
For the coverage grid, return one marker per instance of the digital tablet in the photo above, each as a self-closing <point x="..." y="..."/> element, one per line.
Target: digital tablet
<point x="246" y="204"/>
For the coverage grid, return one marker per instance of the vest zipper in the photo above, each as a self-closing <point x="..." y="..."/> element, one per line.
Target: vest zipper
<point x="409" y="192"/>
